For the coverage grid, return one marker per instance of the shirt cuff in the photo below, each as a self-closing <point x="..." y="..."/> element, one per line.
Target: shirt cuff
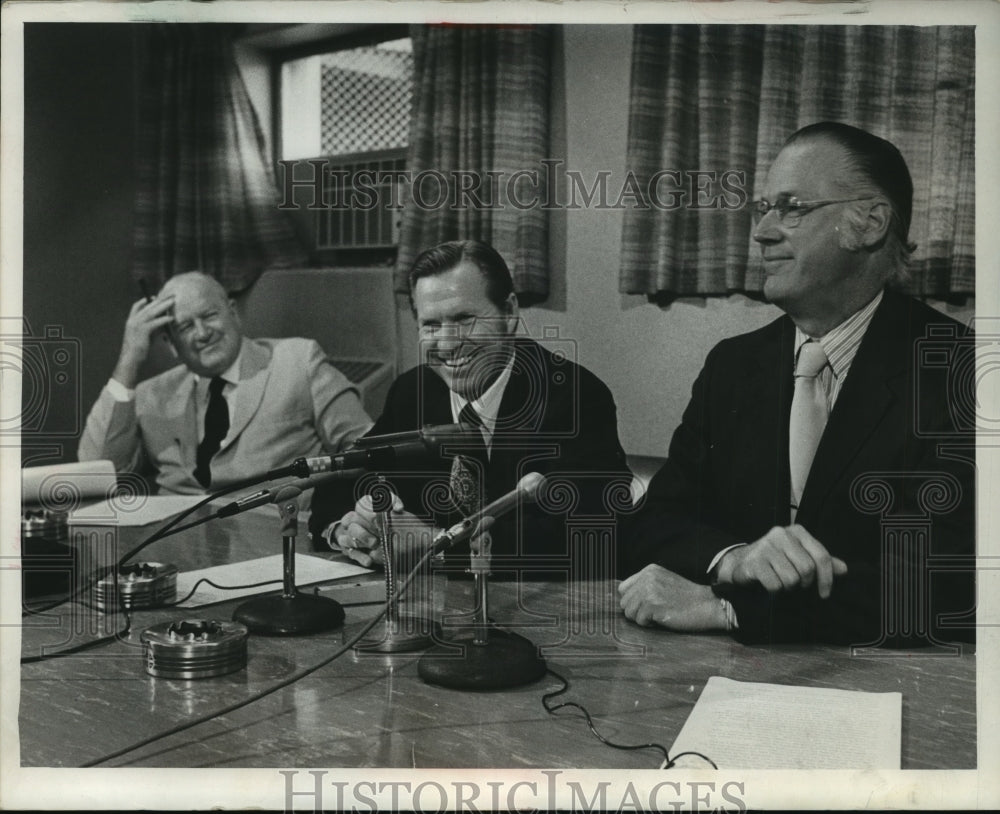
<point x="329" y="536"/>
<point x="119" y="392"/>
<point x="732" y="623"/>
<point x="718" y="557"/>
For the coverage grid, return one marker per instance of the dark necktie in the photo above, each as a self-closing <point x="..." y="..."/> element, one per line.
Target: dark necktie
<point x="467" y="467"/>
<point x="216" y="427"/>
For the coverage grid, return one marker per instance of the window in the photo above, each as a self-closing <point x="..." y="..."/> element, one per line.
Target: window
<point x="345" y="113"/>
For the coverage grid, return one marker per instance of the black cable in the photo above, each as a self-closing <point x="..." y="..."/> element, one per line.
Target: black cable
<point x="669" y="762"/>
<point x="118" y="635"/>
<point x="158" y="534"/>
<point x="124" y="632"/>
<point x="203" y="580"/>
<point x="279" y="686"/>
<point x="161" y="532"/>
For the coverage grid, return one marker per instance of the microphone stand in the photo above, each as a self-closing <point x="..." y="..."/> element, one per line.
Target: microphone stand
<point x="401" y="633"/>
<point x="291" y="613"/>
<point x="488" y="658"/>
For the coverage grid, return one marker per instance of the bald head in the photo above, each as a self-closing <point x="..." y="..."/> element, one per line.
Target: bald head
<point x="206" y="330"/>
<point x="206" y="285"/>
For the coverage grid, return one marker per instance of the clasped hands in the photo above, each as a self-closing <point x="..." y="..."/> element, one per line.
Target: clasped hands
<point x="784" y="559"/>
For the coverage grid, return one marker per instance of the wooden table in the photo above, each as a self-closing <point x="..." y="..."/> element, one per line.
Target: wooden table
<point x="374" y="711"/>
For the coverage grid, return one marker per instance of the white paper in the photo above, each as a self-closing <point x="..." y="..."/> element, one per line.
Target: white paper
<point x="133" y="511"/>
<point x="746" y="725"/>
<point x="52" y="486"/>
<point x="308" y="570"/>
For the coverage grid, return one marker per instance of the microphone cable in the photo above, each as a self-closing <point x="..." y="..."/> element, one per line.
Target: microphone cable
<point x="297" y="676"/>
<point x="164" y="530"/>
<point x="668" y="762"/>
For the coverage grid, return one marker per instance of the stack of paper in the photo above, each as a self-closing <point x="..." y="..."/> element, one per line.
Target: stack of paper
<point x="745" y="725"/>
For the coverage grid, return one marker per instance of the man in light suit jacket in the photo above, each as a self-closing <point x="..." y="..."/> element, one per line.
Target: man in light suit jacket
<point x="873" y="542"/>
<point x="537" y="411"/>
<point x="235" y="408"/>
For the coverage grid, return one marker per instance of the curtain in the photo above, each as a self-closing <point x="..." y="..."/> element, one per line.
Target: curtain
<point x="205" y="192"/>
<point x="715" y="103"/>
<point x="480" y="116"/>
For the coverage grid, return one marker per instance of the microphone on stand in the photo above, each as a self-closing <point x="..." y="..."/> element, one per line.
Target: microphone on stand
<point x="475" y="524"/>
<point x="290" y="613"/>
<point x="377" y="451"/>
<point x="272" y="495"/>
<point x="402" y="632"/>
<point x="489" y="658"/>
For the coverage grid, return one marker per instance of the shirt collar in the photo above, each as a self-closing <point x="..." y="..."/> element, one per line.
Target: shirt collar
<point x="231" y="375"/>
<point x="487" y="406"/>
<point x="841" y="343"/>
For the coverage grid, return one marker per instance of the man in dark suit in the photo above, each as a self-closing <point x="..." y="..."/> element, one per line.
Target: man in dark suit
<point x="535" y="411"/>
<point x="819" y="502"/>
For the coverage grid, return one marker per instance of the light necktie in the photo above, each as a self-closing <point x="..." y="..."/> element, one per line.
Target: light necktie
<point x="216" y="427"/>
<point x="808" y="420"/>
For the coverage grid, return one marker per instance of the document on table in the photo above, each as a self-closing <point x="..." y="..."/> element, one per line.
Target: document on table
<point x="746" y="725"/>
<point x="308" y="570"/>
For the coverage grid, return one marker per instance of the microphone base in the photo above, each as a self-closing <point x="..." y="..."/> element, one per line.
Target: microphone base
<point x="505" y="660"/>
<point x="290" y="615"/>
<point x="409" y="633"/>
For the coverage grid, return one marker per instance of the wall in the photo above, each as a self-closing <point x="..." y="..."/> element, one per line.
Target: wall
<point x="78" y="202"/>
<point x="649" y="356"/>
<point x="79" y="187"/>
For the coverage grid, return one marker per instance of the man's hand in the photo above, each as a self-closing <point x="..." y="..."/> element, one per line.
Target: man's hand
<point x="143" y="321"/>
<point x="658" y="596"/>
<point x="784" y="559"/>
<point x="357" y="534"/>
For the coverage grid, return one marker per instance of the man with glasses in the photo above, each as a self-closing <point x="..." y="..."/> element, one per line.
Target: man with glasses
<point x="805" y="496"/>
<point x="233" y="409"/>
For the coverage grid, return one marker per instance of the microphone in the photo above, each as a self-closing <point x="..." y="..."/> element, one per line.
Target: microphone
<point x="281" y="492"/>
<point x="431" y="434"/>
<point x="526" y="489"/>
<point x="366" y="458"/>
<point x="376" y="452"/>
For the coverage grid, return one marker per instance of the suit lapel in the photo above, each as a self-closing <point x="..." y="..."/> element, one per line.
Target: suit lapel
<point x="872" y="387"/>
<point x="433" y="402"/>
<point x="522" y="409"/>
<point x="254" y="373"/>
<point x="763" y="412"/>
<point x="180" y="410"/>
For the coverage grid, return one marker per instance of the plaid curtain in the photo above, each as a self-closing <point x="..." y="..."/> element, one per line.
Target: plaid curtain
<point x="481" y="105"/>
<point x="715" y="103"/>
<point x="205" y="192"/>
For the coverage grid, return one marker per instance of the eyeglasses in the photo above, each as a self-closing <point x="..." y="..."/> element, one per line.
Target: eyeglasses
<point x="790" y="209"/>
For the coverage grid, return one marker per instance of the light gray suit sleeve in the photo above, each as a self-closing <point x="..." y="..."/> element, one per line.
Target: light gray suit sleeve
<point x="112" y="433"/>
<point x="337" y="409"/>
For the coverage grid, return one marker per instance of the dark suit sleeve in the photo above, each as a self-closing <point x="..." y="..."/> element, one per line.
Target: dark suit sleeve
<point x="587" y="479"/>
<point x="908" y="539"/>
<point x="332" y="501"/>
<point x="910" y="592"/>
<point x="672" y="525"/>
<point x="592" y="463"/>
